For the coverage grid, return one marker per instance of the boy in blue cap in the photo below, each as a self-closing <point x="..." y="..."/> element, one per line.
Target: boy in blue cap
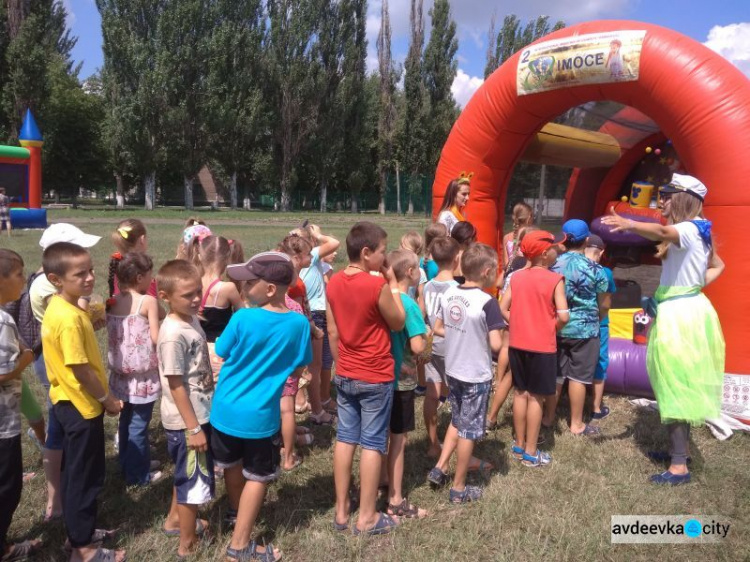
<point x="578" y="342"/>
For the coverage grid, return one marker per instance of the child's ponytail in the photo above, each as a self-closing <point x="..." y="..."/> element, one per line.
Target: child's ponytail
<point x="114" y="261"/>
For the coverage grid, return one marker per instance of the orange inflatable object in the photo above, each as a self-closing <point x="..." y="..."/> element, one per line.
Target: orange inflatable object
<point x="700" y="101"/>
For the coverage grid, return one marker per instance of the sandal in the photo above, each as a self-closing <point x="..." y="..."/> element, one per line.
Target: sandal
<point x="321" y="419"/>
<point x="106" y="555"/>
<point x="535" y="461"/>
<point x="21" y="550"/>
<point x="250" y="552"/>
<point x="406" y="510"/>
<point x="340" y="526"/>
<point x="384" y="525"/>
<point x="199" y="529"/>
<point x="483" y="466"/>
<point x="517" y="451"/>
<point x="97" y="538"/>
<point x="589" y="431"/>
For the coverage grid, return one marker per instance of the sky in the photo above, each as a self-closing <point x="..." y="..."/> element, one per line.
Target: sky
<point x="723" y="25"/>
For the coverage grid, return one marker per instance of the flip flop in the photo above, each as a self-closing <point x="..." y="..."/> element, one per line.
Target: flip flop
<point x="199" y="529"/>
<point x="250" y="552"/>
<point x="384" y="525"/>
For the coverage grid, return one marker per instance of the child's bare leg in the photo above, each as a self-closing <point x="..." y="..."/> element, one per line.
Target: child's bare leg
<point x="449" y="445"/>
<point x="464" y="450"/>
<point x="520" y="407"/>
<point x="343" y="456"/>
<point x="577" y="393"/>
<point x="429" y="409"/>
<point x="172" y="522"/>
<point x="502" y="387"/>
<point x="313" y="390"/>
<point x="234" y="481"/>
<point x="52" y="463"/>
<point x="250" y="504"/>
<point x="325" y="388"/>
<point x="188" y="539"/>
<point x="369" y="476"/>
<point x="421" y="380"/>
<point x="550" y="407"/>
<point x="534" y="407"/>
<point x="288" y="431"/>
<point x="39" y="428"/>
<point x="396" y="452"/>
<point x="598" y="395"/>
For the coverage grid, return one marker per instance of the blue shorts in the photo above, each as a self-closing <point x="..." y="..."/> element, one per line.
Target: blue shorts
<point x="193" y="472"/>
<point x="320" y="320"/>
<point x="600" y="374"/>
<point x="468" y="402"/>
<point x="364" y="411"/>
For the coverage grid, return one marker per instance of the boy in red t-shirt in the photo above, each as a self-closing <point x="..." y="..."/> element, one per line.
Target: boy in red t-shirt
<point x="361" y="311"/>
<point x="539" y="295"/>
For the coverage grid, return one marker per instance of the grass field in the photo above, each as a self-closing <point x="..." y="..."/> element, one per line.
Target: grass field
<point x="561" y="512"/>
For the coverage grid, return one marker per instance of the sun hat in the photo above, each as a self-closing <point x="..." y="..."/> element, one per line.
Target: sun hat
<point x="273" y="267"/>
<point x="64" y="232"/>
<point x="688" y="184"/>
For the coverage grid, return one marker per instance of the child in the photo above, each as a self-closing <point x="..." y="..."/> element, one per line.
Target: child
<point x="465" y="234"/>
<point x="40" y="293"/>
<point x="432" y="232"/>
<point x="445" y="253"/>
<point x="522" y="215"/>
<point x="133" y="329"/>
<point x="312" y="277"/>
<point x="14" y="358"/>
<point x="578" y="341"/>
<point x="405" y="344"/>
<point x="539" y="296"/>
<point x="129" y="236"/>
<point x="469" y="319"/>
<point x="261" y="348"/>
<point x="412" y="241"/>
<point x="220" y="298"/>
<point x="187" y="390"/>
<point x="594" y="251"/>
<point x="79" y="392"/>
<point x="362" y="311"/>
<point x="4" y="212"/>
<point x="195" y="231"/>
<point x="325" y="374"/>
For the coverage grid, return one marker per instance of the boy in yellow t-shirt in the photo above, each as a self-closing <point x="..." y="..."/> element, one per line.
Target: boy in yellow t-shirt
<point x="79" y="393"/>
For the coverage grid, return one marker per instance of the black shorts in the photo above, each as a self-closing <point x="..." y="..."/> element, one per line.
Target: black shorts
<point x="260" y="458"/>
<point x="577" y="359"/>
<point x="533" y="372"/>
<point x="402" y="413"/>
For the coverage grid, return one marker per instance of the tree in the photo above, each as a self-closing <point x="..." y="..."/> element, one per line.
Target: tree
<point x="185" y="29"/>
<point x="491" y="62"/>
<point x="292" y="79"/>
<point x="237" y="113"/>
<point x="134" y="89"/>
<point x="386" y="107"/>
<point x="440" y="68"/>
<point x="413" y="125"/>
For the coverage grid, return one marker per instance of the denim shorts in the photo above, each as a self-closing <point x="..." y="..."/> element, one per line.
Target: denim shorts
<point x="364" y="411"/>
<point x="468" y="402"/>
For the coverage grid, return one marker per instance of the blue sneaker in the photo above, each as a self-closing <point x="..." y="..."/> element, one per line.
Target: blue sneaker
<point x="603" y="413"/>
<point x="437" y="477"/>
<point x="667" y="477"/>
<point x="470" y="494"/>
<point x="535" y="461"/>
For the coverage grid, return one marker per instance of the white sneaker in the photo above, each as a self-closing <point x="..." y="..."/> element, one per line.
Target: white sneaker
<point x="155" y="476"/>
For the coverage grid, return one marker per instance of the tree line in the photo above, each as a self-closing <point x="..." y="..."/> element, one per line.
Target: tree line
<point x="273" y="95"/>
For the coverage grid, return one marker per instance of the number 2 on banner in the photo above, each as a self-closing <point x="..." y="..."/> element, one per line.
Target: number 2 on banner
<point x="525" y="57"/>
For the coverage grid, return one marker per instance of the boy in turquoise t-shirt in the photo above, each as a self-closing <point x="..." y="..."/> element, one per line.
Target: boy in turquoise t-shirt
<point x="405" y="345"/>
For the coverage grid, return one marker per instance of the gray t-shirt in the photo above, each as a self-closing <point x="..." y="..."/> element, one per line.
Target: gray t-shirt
<point x="10" y="392"/>
<point x="183" y="351"/>
<point x="433" y="296"/>
<point x="469" y="315"/>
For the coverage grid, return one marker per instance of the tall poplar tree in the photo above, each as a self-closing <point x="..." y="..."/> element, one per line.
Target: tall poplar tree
<point x="386" y="107"/>
<point x="440" y="66"/>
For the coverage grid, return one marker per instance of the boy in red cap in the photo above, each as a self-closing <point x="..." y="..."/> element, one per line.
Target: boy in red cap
<point x="540" y="295"/>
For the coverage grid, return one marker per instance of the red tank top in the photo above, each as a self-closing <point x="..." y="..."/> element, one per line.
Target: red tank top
<point x="532" y="315"/>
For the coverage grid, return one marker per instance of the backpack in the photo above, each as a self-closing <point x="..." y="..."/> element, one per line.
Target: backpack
<point x="29" y="328"/>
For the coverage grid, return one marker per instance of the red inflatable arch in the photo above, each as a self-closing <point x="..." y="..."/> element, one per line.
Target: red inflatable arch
<point x="699" y="100"/>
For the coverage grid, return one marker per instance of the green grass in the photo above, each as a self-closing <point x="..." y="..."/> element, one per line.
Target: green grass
<point x="559" y="513"/>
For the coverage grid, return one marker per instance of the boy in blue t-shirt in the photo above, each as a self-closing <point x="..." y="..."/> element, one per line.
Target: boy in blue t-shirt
<point x="261" y="348"/>
<point x="594" y="251"/>
<point x="405" y="344"/>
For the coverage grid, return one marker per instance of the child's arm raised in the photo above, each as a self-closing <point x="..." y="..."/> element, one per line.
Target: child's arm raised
<point x="89" y="380"/>
<point x="327" y="244"/>
<point x="196" y="441"/>
<point x="333" y="334"/>
<point x="561" y="305"/>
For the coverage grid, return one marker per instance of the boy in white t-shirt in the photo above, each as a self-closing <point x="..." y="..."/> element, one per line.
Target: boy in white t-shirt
<point x="470" y="321"/>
